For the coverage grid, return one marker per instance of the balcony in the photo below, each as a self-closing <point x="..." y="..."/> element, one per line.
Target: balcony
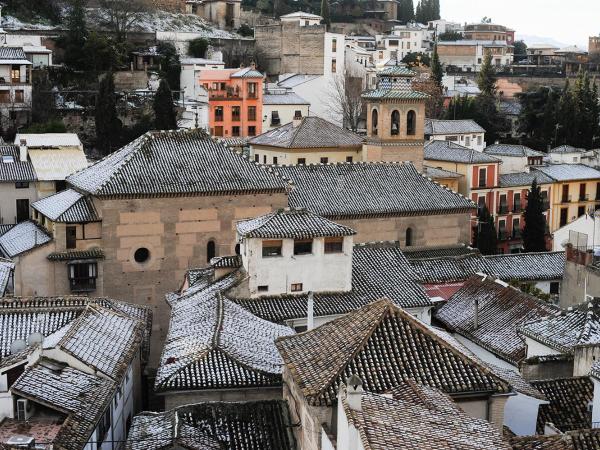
<point x="517" y="234"/>
<point x="86" y="284"/>
<point x="503" y="209"/>
<point x="502" y="235"/>
<point x="584" y="197"/>
<point x="224" y="94"/>
<point x="565" y="199"/>
<point x="517" y="208"/>
<point x="275" y="122"/>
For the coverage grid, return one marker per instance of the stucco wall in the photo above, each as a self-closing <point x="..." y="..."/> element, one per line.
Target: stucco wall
<point x="8" y="200"/>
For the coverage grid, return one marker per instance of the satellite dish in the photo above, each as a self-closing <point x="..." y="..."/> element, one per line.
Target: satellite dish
<point x="17" y="346"/>
<point x="35" y="338"/>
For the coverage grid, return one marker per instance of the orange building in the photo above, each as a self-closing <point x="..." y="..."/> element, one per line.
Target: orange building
<point x="235" y="101"/>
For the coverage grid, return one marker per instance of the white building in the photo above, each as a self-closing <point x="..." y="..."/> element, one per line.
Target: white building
<point x="515" y="158"/>
<point x="567" y="154"/>
<point x="77" y="384"/>
<point x="410" y="38"/>
<point x="468" y="55"/>
<point x="190" y="76"/>
<point x="305" y="19"/>
<point x="280" y="106"/>
<point x="583" y="233"/>
<point x="441" y="26"/>
<point x="463" y="132"/>
<point x="283" y="259"/>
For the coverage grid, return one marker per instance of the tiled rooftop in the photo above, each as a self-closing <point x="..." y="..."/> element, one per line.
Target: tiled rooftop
<point x="586" y="439"/>
<point x="405" y="421"/>
<point x="13" y="55"/>
<point x="67" y="206"/>
<point x="311" y="132"/>
<point x="288" y="98"/>
<point x="11" y="167"/>
<point x="501" y="309"/>
<point x="512" y="150"/>
<point x="570" y="172"/>
<point x="214" y="344"/>
<point x="524" y="179"/>
<point x="435" y="172"/>
<point x="569" y="399"/>
<point x="369" y="189"/>
<point x="579" y="326"/>
<point x="21" y="238"/>
<point x="384" y="346"/>
<point x="567" y="149"/>
<point x="449" y="151"/>
<point x="291" y="223"/>
<point x="175" y="163"/>
<point x="6" y="270"/>
<point x="441" y="127"/>
<point x="256" y="425"/>
<point x="378" y="270"/>
<point x="83" y="397"/>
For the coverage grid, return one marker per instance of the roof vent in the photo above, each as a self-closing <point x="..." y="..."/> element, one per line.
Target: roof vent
<point x="35" y="338"/>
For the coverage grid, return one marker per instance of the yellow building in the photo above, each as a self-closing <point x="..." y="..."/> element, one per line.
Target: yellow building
<point x="446" y="178"/>
<point x="306" y="140"/>
<point x="576" y="191"/>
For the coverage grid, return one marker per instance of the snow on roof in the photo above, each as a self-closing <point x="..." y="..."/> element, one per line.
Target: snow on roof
<point x="48" y="140"/>
<point x="6" y="270"/>
<point x="53" y="164"/>
<point x="66" y="206"/>
<point x="21" y="238"/>
<point x="301" y="15"/>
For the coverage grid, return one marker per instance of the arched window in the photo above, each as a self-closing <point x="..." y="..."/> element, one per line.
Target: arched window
<point x="210" y="250"/>
<point x="409" y="238"/>
<point x="395" y="128"/>
<point x="411" y="123"/>
<point x="374" y="120"/>
<point x="237" y="249"/>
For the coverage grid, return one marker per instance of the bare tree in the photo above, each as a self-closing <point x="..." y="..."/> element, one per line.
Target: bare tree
<point x="346" y="97"/>
<point x="122" y="15"/>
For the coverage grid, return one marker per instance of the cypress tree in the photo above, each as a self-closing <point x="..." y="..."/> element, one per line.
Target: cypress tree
<point x="406" y="11"/>
<point x="419" y="12"/>
<point x="76" y="36"/>
<point x="436" y="10"/>
<point x="486" y="80"/>
<point x="535" y="222"/>
<point x="484" y="236"/>
<point x="437" y="72"/>
<point x="107" y="123"/>
<point x="164" y="113"/>
<point x="325" y="13"/>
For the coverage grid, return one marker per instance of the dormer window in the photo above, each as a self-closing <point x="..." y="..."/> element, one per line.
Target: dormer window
<point x="302" y="246"/>
<point x="271" y="248"/>
<point x="334" y="245"/>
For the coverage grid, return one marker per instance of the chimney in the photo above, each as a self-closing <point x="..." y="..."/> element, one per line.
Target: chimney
<point x="476" y="315"/>
<point x="253" y="65"/>
<point x="310" y="320"/>
<point x="354" y="392"/>
<point x="23" y="150"/>
<point x="297" y="120"/>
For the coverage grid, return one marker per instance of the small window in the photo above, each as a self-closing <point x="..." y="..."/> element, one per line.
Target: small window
<point x="71" y="233"/>
<point x="324" y="160"/>
<point x="21" y="185"/>
<point x="334" y="45"/>
<point x="264" y="159"/>
<point x="411" y="123"/>
<point x="301" y="160"/>
<point x="274" y="159"/>
<point x="334" y="245"/>
<point x="82" y="276"/>
<point x="395" y="128"/>
<point x="218" y="114"/>
<point x="349" y="159"/>
<point x="482" y="177"/>
<point x="235" y="131"/>
<point x="251" y="130"/>
<point x="211" y="250"/>
<point x="408" y="241"/>
<point x="275" y="119"/>
<point x="554" y="287"/>
<point x="271" y="248"/>
<point x="333" y="66"/>
<point x="141" y="255"/>
<point x="302" y="246"/>
<point x="263" y="288"/>
<point x="251" y="112"/>
<point x="374" y="122"/>
<point x="256" y="158"/>
<point x="296" y="287"/>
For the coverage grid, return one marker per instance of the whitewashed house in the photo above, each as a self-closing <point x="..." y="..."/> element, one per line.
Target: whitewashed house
<point x="280" y="106"/>
<point x="463" y="132"/>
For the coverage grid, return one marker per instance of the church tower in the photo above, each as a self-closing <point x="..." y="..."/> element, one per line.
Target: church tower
<point x="395" y="118"/>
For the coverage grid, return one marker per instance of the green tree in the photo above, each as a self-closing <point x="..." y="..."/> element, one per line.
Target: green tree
<point x="486" y="80"/>
<point x="520" y="51"/>
<point x="245" y="30"/>
<point x="534" y="233"/>
<point x="406" y="11"/>
<point x="108" y="126"/>
<point x="164" y="112"/>
<point x="450" y="36"/>
<point x="435" y="10"/>
<point x="462" y="107"/>
<point x="197" y="47"/>
<point x="416" y="59"/>
<point x="325" y="13"/>
<point x="170" y="64"/>
<point x="76" y="36"/>
<point x="437" y="72"/>
<point x="484" y="233"/>
<point x="419" y="12"/>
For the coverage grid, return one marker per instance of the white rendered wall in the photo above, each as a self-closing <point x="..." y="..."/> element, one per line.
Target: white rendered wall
<point x="535" y="348"/>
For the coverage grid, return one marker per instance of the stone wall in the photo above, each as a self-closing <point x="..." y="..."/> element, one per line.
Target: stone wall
<point x="427" y="231"/>
<point x="541" y="369"/>
<point x="176" y="232"/>
<point x="286" y="47"/>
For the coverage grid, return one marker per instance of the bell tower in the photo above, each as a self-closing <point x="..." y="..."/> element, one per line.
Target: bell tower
<point x="395" y="118"/>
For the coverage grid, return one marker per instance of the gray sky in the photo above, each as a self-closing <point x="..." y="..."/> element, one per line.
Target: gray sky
<point x="567" y="21"/>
